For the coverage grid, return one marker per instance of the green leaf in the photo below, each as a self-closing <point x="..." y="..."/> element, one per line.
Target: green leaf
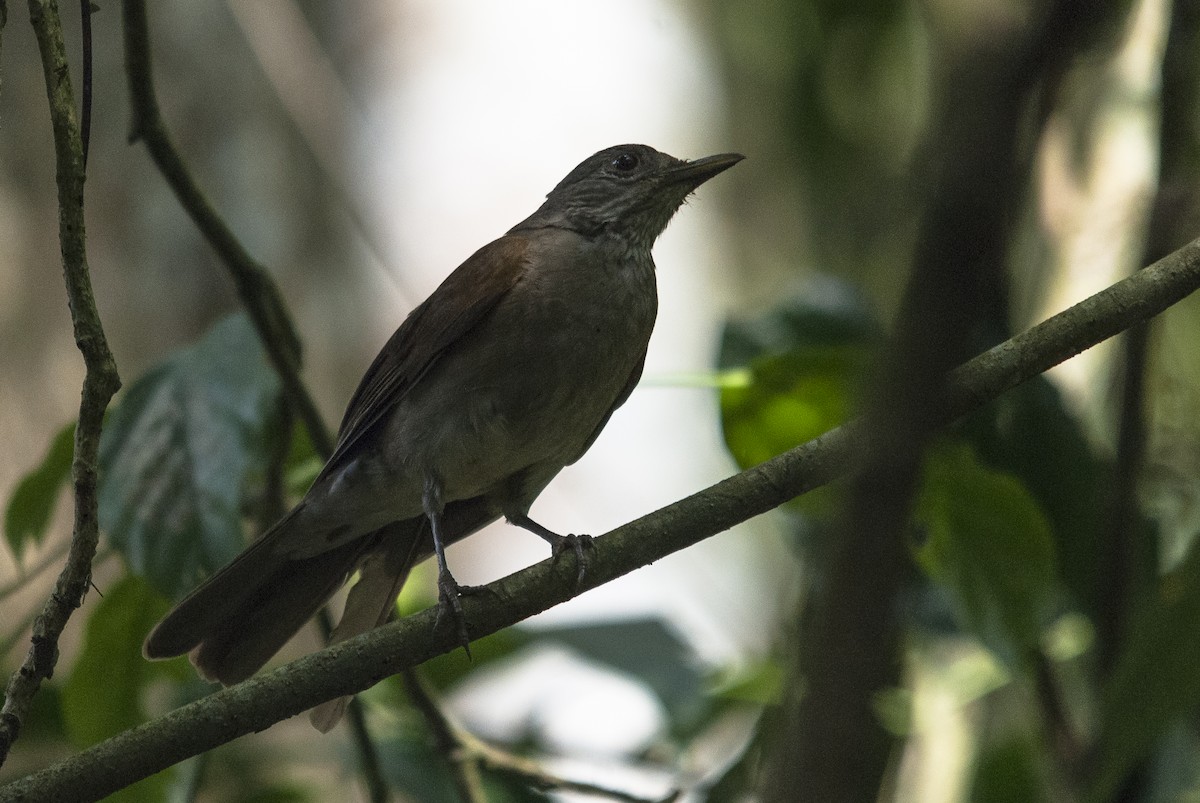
<point x="802" y="367"/>
<point x="32" y="503"/>
<point x="148" y="790"/>
<point x="1156" y="681"/>
<point x="760" y="683"/>
<point x="1030" y="433"/>
<point x="302" y="464"/>
<point x="1012" y="769"/>
<point x="179" y="451"/>
<point x="102" y="695"/>
<point x="987" y="541"/>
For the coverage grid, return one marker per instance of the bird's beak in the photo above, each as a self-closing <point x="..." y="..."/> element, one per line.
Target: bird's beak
<point x="699" y="171"/>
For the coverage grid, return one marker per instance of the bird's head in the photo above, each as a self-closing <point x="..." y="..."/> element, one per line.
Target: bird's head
<point x="630" y="191"/>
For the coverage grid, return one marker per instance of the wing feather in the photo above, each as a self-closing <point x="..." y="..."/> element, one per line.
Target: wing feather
<point x="458" y="305"/>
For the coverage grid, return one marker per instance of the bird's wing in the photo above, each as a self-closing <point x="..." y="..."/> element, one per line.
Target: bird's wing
<point x="458" y="305"/>
<point x="634" y="377"/>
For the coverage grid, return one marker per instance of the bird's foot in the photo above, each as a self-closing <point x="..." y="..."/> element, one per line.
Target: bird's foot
<point x="450" y="610"/>
<point x="580" y="545"/>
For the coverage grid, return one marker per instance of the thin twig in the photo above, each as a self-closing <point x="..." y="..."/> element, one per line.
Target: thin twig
<point x="44" y="562"/>
<point x="3" y="22"/>
<point x="448" y="739"/>
<point x="17" y="629"/>
<point x="99" y="384"/>
<point x="467" y="754"/>
<point x="360" y="662"/>
<point x="255" y="286"/>
<point x="356" y="720"/>
<point x="85" y="36"/>
<point x="319" y="107"/>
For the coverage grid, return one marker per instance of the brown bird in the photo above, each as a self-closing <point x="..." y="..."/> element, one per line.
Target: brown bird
<point x="504" y="375"/>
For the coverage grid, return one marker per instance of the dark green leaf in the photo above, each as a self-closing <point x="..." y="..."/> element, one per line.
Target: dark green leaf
<point x="1156" y="681"/>
<point x="302" y="464"/>
<point x="447" y="670"/>
<point x="44" y="723"/>
<point x="179" y="451"/>
<point x="276" y="793"/>
<point x="1031" y="433"/>
<point x="32" y="503"/>
<point x="102" y="696"/>
<point x="987" y="540"/>
<point x="649" y="651"/>
<point x="149" y="790"/>
<point x="1010" y="770"/>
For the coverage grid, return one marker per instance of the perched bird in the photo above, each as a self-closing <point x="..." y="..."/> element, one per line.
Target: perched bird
<point x="504" y="375"/>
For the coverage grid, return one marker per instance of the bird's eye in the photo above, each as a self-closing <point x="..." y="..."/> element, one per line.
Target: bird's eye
<point x="625" y="162"/>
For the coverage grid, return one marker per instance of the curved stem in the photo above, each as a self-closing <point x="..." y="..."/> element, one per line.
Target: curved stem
<point x="99" y="384"/>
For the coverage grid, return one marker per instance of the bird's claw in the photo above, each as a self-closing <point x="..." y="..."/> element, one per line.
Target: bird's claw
<point x="580" y="545"/>
<point x="450" y="595"/>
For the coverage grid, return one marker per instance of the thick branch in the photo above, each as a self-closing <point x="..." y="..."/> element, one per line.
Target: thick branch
<point x="99" y="384"/>
<point x="359" y="663"/>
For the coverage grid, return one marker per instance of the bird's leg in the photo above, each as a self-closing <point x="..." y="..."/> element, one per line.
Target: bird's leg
<point x="579" y="544"/>
<point x="449" y="591"/>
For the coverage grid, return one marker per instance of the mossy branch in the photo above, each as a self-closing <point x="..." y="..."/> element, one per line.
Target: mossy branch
<point x="99" y="384"/>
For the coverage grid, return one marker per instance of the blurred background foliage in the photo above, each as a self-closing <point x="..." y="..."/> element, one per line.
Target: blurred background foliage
<point x="1050" y="592"/>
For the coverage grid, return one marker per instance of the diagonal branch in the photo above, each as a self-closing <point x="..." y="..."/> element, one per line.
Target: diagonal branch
<point x="255" y="287"/>
<point x="99" y="384"/>
<point x="359" y="663"/>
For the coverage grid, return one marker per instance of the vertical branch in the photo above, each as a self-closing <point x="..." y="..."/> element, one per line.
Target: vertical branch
<point x="1176" y="208"/>
<point x="831" y="745"/>
<point x="99" y="384"/>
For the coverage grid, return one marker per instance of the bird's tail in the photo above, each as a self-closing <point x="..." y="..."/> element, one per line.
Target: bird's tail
<point x="372" y="600"/>
<point x="244" y="613"/>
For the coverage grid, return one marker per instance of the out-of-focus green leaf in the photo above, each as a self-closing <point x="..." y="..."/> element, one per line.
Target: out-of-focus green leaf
<point x="801" y="368"/>
<point x="303" y="464"/>
<point x="1156" y="680"/>
<point x="45" y="719"/>
<point x="148" y="790"/>
<point x="1031" y="434"/>
<point x="276" y="793"/>
<point x="987" y="540"/>
<point x="761" y="684"/>
<point x="1010" y="770"/>
<point x="446" y="670"/>
<point x="102" y="696"/>
<point x="178" y="451"/>
<point x="32" y="502"/>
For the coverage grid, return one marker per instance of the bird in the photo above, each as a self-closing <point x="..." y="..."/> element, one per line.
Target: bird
<point x="503" y="376"/>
